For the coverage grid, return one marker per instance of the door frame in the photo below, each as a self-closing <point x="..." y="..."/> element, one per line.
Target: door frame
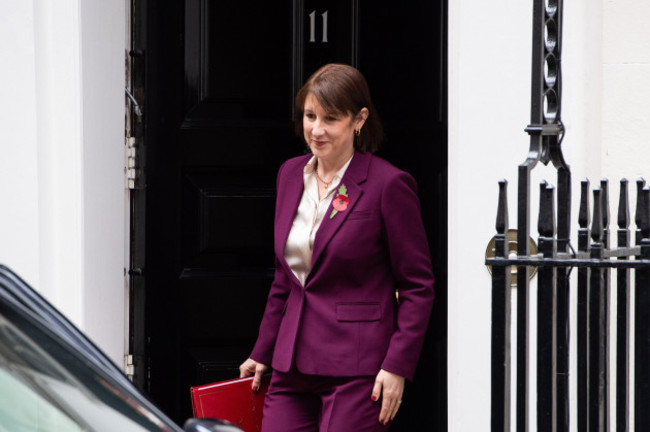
<point x="139" y="29"/>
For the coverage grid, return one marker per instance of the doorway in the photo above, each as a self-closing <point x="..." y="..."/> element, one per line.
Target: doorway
<point x="217" y="82"/>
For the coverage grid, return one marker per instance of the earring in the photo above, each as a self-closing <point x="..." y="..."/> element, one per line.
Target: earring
<point x="357" y="132"/>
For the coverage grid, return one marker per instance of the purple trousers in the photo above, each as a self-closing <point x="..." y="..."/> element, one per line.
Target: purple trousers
<point x="297" y="402"/>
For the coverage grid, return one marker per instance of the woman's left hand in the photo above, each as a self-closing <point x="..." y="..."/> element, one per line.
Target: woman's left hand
<point x="390" y="387"/>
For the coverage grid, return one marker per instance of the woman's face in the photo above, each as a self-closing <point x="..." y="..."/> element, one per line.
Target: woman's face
<point x="329" y="136"/>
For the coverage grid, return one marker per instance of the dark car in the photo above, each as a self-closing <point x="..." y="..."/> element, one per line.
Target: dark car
<point x="52" y="378"/>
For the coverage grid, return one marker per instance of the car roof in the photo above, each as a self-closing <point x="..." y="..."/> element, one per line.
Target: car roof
<point x="19" y="297"/>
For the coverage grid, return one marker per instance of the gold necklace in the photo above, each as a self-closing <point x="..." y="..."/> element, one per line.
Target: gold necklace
<point x="325" y="184"/>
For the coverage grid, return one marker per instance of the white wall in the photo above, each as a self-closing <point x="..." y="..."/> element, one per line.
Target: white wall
<point x="606" y="112"/>
<point x="102" y="48"/>
<point x="626" y="89"/>
<point x="61" y="171"/>
<point x="59" y="127"/>
<point x="18" y="147"/>
<point x="489" y="88"/>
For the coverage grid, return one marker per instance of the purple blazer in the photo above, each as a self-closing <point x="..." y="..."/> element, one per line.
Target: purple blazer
<point x="346" y="321"/>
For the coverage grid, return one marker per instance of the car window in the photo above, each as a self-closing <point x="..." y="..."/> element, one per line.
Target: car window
<point x="46" y="387"/>
<point x="24" y="409"/>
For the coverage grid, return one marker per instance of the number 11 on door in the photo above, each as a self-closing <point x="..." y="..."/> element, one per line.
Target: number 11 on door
<point x="312" y="26"/>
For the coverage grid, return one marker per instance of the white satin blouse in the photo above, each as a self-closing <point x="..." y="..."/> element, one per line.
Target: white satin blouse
<point x="310" y="214"/>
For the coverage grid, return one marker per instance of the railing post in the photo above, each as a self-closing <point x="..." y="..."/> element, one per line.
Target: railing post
<point x="563" y="299"/>
<point x="604" y="197"/>
<point x="642" y="322"/>
<point x="546" y="316"/>
<point x="623" y="316"/>
<point x="596" y="326"/>
<point x="523" y="295"/>
<point x="546" y="132"/>
<point x="501" y="294"/>
<point x="582" y="308"/>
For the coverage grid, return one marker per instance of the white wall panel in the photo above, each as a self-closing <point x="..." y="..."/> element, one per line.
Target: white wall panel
<point x="489" y="97"/>
<point x="59" y="128"/>
<point x="18" y="146"/>
<point x="61" y="172"/>
<point x="103" y="28"/>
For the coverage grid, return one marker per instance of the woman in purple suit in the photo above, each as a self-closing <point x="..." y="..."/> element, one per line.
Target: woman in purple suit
<point x="350" y="301"/>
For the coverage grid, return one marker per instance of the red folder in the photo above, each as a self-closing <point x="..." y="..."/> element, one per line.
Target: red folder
<point x="231" y="400"/>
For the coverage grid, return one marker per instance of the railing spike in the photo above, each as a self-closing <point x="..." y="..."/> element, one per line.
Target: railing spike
<point x="640" y="184"/>
<point x="563" y="207"/>
<point x="597" y="220"/>
<point x="604" y="198"/>
<point x="623" y="206"/>
<point x="502" y="209"/>
<point x="583" y="214"/>
<point x="546" y="220"/>
<point x="645" y="213"/>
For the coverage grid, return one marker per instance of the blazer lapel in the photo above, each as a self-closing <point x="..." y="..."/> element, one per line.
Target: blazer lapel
<point x="290" y="192"/>
<point x="356" y="174"/>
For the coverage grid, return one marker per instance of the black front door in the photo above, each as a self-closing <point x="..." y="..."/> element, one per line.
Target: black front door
<point x="219" y="79"/>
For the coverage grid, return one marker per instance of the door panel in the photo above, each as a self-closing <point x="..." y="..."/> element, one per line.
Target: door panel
<point x="234" y="132"/>
<point x="219" y="83"/>
<point x="232" y="50"/>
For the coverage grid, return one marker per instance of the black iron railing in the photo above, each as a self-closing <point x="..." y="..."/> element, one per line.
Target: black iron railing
<point x="595" y="259"/>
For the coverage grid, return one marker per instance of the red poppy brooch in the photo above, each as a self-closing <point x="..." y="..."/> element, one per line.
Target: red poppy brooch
<point x="341" y="201"/>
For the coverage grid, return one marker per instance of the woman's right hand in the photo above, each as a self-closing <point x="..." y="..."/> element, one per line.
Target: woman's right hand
<point x="251" y="367"/>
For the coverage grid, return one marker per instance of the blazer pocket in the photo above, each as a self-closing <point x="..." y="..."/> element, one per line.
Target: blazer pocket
<point x="358" y="311"/>
<point x="364" y="214"/>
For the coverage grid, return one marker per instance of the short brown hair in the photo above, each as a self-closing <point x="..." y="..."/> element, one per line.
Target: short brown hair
<point x="341" y="88"/>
